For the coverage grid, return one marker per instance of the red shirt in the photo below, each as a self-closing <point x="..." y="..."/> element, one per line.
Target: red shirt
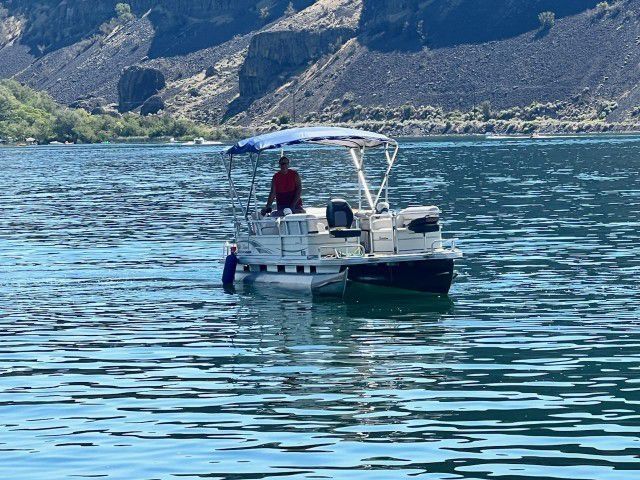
<point x="285" y="187"/>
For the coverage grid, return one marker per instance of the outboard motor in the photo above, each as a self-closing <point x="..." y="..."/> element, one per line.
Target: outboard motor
<point x="230" y="264"/>
<point x="340" y="219"/>
<point x="427" y="224"/>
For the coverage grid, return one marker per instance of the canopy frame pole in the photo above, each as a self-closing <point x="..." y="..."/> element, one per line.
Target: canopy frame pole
<point x="233" y="187"/>
<point x="233" y="193"/>
<point x="357" y="164"/>
<point x="255" y="190"/>
<point x="391" y="159"/>
<point x="254" y="163"/>
<point x="358" y="161"/>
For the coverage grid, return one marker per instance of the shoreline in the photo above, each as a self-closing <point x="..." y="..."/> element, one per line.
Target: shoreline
<point x="496" y="136"/>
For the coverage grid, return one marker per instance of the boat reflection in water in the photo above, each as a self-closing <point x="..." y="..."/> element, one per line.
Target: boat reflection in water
<point x="360" y="301"/>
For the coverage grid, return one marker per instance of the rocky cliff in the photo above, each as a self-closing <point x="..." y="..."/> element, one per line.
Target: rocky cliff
<point x="248" y="61"/>
<point x="51" y="24"/>
<point x="137" y="84"/>
<point x="277" y="53"/>
<point x="180" y="25"/>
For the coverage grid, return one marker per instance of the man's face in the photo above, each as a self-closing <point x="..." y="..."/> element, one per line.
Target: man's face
<point x="284" y="165"/>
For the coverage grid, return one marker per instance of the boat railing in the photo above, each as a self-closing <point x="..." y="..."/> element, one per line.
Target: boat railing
<point x="256" y="226"/>
<point x="279" y="226"/>
<point x="435" y="245"/>
<point x="341" y="251"/>
<point x="394" y="228"/>
<point x="443" y="244"/>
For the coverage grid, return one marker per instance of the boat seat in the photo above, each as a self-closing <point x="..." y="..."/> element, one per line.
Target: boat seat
<point x="340" y="219"/>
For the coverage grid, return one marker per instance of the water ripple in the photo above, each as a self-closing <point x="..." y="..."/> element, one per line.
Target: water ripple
<point x="122" y="357"/>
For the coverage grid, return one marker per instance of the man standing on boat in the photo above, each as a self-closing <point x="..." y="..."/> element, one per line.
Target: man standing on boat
<point x="286" y="190"/>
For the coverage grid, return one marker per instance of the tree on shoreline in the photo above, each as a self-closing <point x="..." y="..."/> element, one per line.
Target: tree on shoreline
<point x="26" y="113"/>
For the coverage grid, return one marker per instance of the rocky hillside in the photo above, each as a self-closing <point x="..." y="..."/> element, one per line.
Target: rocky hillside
<point x="249" y="61"/>
<point x="413" y="24"/>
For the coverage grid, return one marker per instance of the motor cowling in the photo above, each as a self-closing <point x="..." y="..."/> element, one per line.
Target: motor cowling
<point x="427" y="224"/>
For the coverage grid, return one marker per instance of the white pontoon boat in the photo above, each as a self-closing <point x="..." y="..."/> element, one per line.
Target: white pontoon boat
<point x="325" y="248"/>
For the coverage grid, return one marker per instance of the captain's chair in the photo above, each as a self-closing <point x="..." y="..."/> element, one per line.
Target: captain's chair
<point x="340" y="219"/>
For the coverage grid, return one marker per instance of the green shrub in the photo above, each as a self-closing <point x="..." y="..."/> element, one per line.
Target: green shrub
<point x="290" y="11"/>
<point x="612" y="8"/>
<point x="547" y="20"/>
<point x="264" y="13"/>
<point x="27" y="113"/>
<point x="284" y="119"/>
<point x="485" y="108"/>
<point x="123" y="10"/>
<point x="407" y="111"/>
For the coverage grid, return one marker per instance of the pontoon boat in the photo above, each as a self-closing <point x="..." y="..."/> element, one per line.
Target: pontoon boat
<point x="325" y="248"/>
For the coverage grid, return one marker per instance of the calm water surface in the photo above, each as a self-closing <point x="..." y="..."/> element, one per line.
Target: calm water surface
<point x="122" y="357"/>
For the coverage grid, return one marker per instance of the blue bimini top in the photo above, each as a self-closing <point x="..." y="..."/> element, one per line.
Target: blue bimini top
<point x="345" y="137"/>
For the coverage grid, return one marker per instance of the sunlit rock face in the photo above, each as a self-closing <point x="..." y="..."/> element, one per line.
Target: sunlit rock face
<point x="274" y="55"/>
<point x="293" y="43"/>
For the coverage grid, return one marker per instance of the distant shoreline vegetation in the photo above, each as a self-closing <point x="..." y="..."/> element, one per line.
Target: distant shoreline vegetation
<point x="29" y="116"/>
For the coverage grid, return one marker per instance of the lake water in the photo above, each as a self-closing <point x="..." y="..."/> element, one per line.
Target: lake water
<point x="122" y="357"/>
